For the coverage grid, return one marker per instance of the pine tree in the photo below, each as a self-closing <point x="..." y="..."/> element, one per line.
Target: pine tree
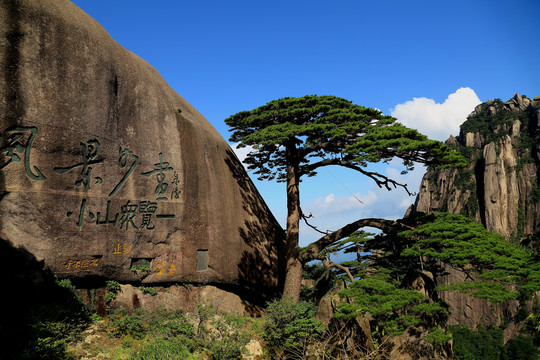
<point x="294" y="137"/>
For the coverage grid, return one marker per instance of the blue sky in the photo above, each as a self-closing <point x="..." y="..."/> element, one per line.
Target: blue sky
<point x="426" y="62"/>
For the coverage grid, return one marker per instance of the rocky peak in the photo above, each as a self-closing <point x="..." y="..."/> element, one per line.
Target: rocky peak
<point x="500" y="187"/>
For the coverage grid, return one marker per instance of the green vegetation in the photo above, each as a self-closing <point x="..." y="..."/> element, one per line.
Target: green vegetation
<point x="50" y="327"/>
<point x="493" y="262"/>
<point x="437" y="336"/>
<point x="388" y="266"/>
<point x="113" y="286"/>
<point x="492" y="125"/>
<point x="483" y="344"/>
<point x="166" y="334"/>
<point x="140" y="265"/>
<point x="536" y="193"/>
<point x="393" y="309"/>
<point x="148" y="290"/>
<point x="487" y="344"/>
<point x="162" y="349"/>
<point x="519" y="348"/>
<point x="289" y="327"/>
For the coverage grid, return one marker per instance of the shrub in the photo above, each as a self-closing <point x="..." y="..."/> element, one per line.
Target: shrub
<point x="437" y="336"/>
<point x="289" y="325"/>
<point x="483" y="344"/>
<point x="148" y="290"/>
<point x="172" y="325"/>
<point x="113" y="286"/>
<point x="519" y="348"/>
<point x="133" y="325"/>
<point x="162" y="349"/>
<point x="55" y="322"/>
<point x="109" y="297"/>
<point x="393" y="309"/>
<point x="226" y="339"/>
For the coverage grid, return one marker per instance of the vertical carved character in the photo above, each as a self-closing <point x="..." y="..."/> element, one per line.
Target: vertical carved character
<point x="125" y="154"/>
<point x="129" y="211"/>
<point x="159" y="170"/>
<point x="89" y="153"/>
<point x="19" y="140"/>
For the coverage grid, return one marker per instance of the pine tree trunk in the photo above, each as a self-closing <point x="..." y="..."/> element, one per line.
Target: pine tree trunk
<point x="293" y="275"/>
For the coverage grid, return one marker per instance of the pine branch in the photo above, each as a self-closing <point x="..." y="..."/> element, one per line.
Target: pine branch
<point x="304" y="217"/>
<point x="330" y="264"/>
<point x="380" y="180"/>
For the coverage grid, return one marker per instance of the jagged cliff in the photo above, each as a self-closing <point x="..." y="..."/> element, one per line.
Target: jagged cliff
<point x="500" y="189"/>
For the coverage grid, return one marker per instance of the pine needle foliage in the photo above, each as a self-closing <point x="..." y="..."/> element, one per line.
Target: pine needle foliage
<point x="391" y="308"/>
<point x="328" y="130"/>
<point x="499" y="270"/>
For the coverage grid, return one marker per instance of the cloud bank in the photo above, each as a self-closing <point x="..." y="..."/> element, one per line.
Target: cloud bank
<point x="437" y="121"/>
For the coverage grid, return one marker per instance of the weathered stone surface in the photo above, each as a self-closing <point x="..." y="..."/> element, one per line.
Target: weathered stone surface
<point x="498" y="190"/>
<point x="185" y="298"/>
<point x="254" y="351"/>
<point x="107" y="173"/>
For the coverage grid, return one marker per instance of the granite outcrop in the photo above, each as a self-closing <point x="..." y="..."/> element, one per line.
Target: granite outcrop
<point x="107" y="173"/>
<point x="500" y="189"/>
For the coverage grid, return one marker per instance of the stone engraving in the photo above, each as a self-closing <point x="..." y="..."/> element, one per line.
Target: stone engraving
<point x="159" y="170"/>
<point x="19" y="140"/>
<point x="125" y="154"/>
<point x="96" y="158"/>
<point x="89" y="153"/>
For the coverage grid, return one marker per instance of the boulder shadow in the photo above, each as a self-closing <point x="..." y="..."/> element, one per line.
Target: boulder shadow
<point x="261" y="268"/>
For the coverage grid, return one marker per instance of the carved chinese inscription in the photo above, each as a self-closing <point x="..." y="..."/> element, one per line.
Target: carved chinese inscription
<point x="132" y="215"/>
<point x="122" y="249"/>
<point x="89" y="153"/>
<point x="125" y="155"/>
<point x="82" y="263"/>
<point x="165" y="263"/>
<point x="16" y="143"/>
<point x="159" y="170"/>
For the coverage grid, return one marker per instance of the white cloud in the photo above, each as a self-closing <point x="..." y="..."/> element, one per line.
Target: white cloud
<point x="330" y="198"/>
<point x="437" y="121"/>
<point x="329" y="204"/>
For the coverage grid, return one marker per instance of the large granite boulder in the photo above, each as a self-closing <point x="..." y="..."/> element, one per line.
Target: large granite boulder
<point x="107" y="173"/>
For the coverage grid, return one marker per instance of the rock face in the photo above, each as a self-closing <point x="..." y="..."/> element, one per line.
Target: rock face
<point x="107" y="173"/>
<point x="500" y="190"/>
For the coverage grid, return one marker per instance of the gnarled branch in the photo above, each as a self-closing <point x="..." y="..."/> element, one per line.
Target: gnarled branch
<point x="304" y="217"/>
<point x="330" y="264"/>
<point x="380" y="180"/>
<point x="313" y="250"/>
